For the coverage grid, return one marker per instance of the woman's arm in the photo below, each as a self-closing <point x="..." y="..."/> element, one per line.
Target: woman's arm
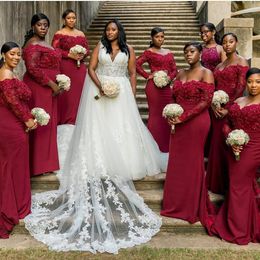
<point x="132" y="69"/>
<point x="92" y="67"/>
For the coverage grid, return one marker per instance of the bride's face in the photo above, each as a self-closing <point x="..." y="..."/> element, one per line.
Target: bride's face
<point x="112" y="32"/>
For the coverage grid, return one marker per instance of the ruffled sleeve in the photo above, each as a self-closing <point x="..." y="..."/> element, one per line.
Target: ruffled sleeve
<point x="32" y="57"/>
<point x="206" y="95"/>
<point x="139" y="62"/>
<point x="15" y="94"/>
<point x="56" y="44"/>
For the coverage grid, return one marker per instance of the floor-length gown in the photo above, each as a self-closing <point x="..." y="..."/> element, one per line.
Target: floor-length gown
<point x="97" y="208"/>
<point x="15" y="192"/>
<point x="185" y="194"/>
<point x="231" y="79"/>
<point x="157" y="98"/>
<point x="68" y="102"/>
<point x="238" y="220"/>
<point x="210" y="58"/>
<point x="42" y="65"/>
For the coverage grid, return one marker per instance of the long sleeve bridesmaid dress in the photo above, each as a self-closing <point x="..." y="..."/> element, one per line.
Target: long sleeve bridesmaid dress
<point x="185" y="195"/>
<point x="157" y="98"/>
<point x="68" y="102"/>
<point x="15" y="192"/>
<point x="42" y="65"/>
<point x="238" y="220"/>
<point x="232" y="80"/>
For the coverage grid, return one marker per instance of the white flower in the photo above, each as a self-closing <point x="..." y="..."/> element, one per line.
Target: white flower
<point x="220" y="97"/>
<point x="41" y="116"/>
<point x="172" y="110"/>
<point x="77" y="49"/>
<point x="160" y="79"/>
<point x="237" y="137"/>
<point x="110" y="89"/>
<point x="63" y="82"/>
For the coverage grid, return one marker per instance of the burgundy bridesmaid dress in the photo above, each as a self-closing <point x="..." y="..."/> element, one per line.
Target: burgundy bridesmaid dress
<point x="232" y="80"/>
<point x="210" y="58"/>
<point x="185" y="195"/>
<point x="68" y="102"/>
<point x="238" y="220"/>
<point x="157" y="98"/>
<point x="42" y="65"/>
<point x="15" y="192"/>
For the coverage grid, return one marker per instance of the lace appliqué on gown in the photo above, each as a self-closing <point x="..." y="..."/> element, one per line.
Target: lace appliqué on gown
<point x="97" y="208"/>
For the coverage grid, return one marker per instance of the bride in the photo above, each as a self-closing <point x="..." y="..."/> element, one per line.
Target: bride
<point x="96" y="208"/>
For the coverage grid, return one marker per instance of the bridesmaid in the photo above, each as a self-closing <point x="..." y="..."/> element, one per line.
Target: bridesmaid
<point x="64" y="39"/>
<point x="212" y="52"/>
<point x="238" y="218"/>
<point x="15" y="192"/>
<point x="42" y="63"/>
<point x="185" y="194"/>
<point x="230" y="77"/>
<point x="157" y="59"/>
<point x="212" y="55"/>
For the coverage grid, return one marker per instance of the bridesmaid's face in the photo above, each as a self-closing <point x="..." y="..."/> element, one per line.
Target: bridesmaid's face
<point x="12" y="57"/>
<point x="191" y="54"/>
<point x="112" y="32"/>
<point x="205" y="34"/>
<point x="41" y="28"/>
<point x="229" y="44"/>
<point x="70" y="20"/>
<point x="253" y="84"/>
<point x="158" y="39"/>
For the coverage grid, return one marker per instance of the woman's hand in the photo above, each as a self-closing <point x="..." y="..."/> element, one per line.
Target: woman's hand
<point x="76" y="56"/>
<point x="174" y="120"/>
<point x="150" y="76"/>
<point x="31" y="124"/>
<point x="219" y="112"/>
<point x="237" y="148"/>
<point x="55" y="88"/>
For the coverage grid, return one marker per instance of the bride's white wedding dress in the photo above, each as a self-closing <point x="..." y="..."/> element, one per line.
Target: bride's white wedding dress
<point x="96" y="207"/>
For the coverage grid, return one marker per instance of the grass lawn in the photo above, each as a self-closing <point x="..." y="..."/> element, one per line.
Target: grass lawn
<point x="143" y="253"/>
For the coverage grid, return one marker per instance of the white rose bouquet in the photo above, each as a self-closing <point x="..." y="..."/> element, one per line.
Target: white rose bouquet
<point x="78" y="49"/>
<point x="220" y="97"/>
<point x="237" y="137"/>
<point x="63" y="82"/>
<point x="110" y="89"/>
<point x="161" y="79"/>
<point x="172" y="110"/>
<point x="40" y="116"/>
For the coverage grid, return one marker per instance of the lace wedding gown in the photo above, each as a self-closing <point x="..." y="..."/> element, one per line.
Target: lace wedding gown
<point x="96" y="207"/>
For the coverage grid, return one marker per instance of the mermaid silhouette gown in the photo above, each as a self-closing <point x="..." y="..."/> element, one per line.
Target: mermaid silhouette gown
<point x="238" y="218"/>
<point x="185" y="193"/>
<point x="158" y="98"/>
<point x="232" y="80"/>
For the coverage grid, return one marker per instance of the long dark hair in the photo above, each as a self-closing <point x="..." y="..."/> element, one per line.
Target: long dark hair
<point x="154" y="31"/>
<point x="212" y="28"/>
<point x="226" y="34"/>
<point x="252" y="71"/>
<point x="65" y="13"/>
<point x="121" y="38"/>
<point x="36" y="17"/>
<point x="195" y="44"/>
<point x="5" y="48"/>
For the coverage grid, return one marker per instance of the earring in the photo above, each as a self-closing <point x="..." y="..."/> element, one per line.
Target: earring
<point x="4" y="59"/>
